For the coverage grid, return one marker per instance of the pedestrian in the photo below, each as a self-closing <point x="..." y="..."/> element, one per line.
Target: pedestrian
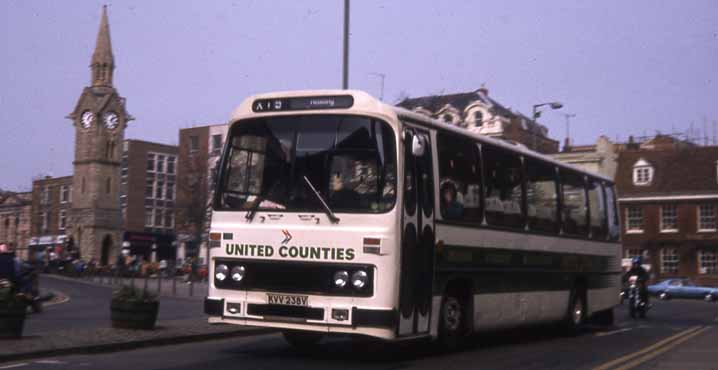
<point x="7" y="265"/>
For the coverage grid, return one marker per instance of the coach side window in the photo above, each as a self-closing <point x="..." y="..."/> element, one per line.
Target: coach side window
<point x="503" y="183"/>
<point x="614" y="227"/>
<point x="460" y="181"/>
<point x="597" y="210"/>
<point x="541" y="196"/>
<point x="573" y="203"/>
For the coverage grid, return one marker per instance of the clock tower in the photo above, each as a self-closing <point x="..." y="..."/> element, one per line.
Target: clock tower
<point x="99" y="119"/>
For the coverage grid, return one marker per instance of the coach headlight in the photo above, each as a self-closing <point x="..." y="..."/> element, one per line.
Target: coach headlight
<point x="359" y="279"/>
<point x="221" y="272"/>
<point x="341" y="278"/>
<point x="238" y="273"/>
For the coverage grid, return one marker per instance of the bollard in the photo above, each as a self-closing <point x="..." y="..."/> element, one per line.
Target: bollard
<point x="174" y="286"/>
<point x="159" y="284"/>
<point x="145" y="286"/>
<point x="132" y="281"/>
<point x="191" y="288"/>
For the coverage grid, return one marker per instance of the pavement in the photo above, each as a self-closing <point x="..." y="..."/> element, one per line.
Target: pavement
<point x="77" y="320"/>
<point x="678" y="335"/>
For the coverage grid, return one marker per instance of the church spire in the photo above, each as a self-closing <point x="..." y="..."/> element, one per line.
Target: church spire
<point x="103" y="62"/>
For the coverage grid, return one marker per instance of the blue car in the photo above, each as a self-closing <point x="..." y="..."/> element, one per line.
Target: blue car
<point x="682" y="288"/>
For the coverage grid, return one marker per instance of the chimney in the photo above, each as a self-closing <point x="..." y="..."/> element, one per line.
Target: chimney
<point x="483" y="90"/>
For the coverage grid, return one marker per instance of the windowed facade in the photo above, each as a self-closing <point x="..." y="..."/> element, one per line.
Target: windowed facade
<point x="634" y="252"/>
<point x="707" y="217"/>
<point x="45" y="219"/>
<point x="634" y="219"/>
<point x="459" y="178"/>
<point x="160" y="191"/>
<point x="669" y="218"/>
<point x="669" y="260"/>
<point x="707" y="262"/>
<point x="64" y="193"/>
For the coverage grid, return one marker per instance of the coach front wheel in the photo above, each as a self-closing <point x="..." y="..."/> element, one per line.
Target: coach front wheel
<point x="452" y="323"/>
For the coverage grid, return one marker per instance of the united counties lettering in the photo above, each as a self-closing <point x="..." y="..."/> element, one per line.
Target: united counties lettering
<point x="299" y="252"/>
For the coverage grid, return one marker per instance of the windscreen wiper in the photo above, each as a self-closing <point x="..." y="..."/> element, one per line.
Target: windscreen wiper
<point x="253" y="211"/>
<point x="334" y="219"/>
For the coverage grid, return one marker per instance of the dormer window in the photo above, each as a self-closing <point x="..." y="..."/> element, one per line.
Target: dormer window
<point x="448" y="118"/>
<point x="478" y="118"/>
<point x="642" y="173"/>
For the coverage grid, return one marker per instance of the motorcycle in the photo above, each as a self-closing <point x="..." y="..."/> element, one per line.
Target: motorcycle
<point x="637" y="306"/>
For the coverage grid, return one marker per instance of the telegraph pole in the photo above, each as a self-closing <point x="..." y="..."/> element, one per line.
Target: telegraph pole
<point x="345" y="64"/>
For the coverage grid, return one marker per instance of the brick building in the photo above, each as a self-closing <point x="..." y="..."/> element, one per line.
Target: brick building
<point x="668" y="196"/>
<point x="199" y="151"/>
<point x="148" y="188"/>
<point x="50" y="216"/>
<point x="15" y="214"/>
<point x="478" y="112"/>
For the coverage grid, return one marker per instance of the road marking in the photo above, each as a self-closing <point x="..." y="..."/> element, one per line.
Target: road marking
<point x="642" y="352"/>
<point x="605" y="333"/>
<point x="63" y="298"/>
<point x="50" y="362"/>
<point x="14" y="365"/>
<point x="664" y="349"/>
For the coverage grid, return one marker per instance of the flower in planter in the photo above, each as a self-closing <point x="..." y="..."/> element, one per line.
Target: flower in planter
<point x="133" y="294"/>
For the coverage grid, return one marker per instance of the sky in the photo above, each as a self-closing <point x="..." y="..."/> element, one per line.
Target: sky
<point x="622" y="67"/>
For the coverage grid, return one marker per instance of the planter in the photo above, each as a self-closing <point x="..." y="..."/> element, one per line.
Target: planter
<point x="12" y="320"/>
<point x="134" y="314"/>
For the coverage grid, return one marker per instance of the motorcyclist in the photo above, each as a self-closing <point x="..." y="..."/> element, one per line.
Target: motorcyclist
<point x="642" y="278"/>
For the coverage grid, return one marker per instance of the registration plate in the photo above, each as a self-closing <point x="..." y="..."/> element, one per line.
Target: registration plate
<point x="288" y="300"/>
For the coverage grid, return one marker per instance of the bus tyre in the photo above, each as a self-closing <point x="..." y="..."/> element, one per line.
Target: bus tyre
<point x="452" y="323"/>
<point x="575" y="318"/>
<point x="302" y="340"/>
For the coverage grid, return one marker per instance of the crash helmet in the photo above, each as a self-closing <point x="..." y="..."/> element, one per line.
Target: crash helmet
<point x="636" y="261"/>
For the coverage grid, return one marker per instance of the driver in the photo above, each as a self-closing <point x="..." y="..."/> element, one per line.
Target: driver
<point x="638" y="270"/>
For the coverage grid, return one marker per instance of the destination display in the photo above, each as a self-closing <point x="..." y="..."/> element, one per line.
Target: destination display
<point x="302" y="103"/>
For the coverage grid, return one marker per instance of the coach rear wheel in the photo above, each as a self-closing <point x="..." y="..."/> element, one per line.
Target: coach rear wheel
<point x="709" y="297"/>
<point x="303" y="340"/>
<point x="452" y="323"/>
<point x="663" y="296"/>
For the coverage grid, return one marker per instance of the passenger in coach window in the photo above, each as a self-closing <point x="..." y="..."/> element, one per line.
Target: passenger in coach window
<point x="341" y="196"/>
<point x="453" y="208"/>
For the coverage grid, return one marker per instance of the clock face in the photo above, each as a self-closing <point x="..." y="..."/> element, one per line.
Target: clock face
<point x="87" y="119"/>
<point x="111" y="120"/>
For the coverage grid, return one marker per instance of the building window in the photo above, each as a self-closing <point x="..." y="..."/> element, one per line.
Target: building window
<point x="45" y="196"/>
<point x="216" y="142"/>
<point x="478" y="118"/>
<point x="62" y="223"/>
<point x="448" y="118"/>
<point x="159" y="189"/>
<point x="669" y="218"/>
<point x="158" y="217"/>
<point x="707" y="217"/>
<point x="634" y="219"/>
<point x="171" y="165"/>
<point x="193" y="143"/>
<point x="150" y="162"/>
<point x="634" y="252"/>
<point x="170" y="191"/>
<point x="669" y="260"/>
<point x="160" y="164"/>
<point x="45" y="221"/>
<point x="149" y="217"/>
<point x="642" y="173"/>
<point x="149" y="188"/>
<point x="707" y="262"/>
<point x="169" y="219"/>
<point x="64" y="194"/>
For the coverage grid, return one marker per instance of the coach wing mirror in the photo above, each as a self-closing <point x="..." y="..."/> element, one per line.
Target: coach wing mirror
<point x="417" y="146"/>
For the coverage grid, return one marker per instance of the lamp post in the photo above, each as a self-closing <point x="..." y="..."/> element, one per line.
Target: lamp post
<point x="345" y="56"/>
<point x="568" y="128"/>
<point x="537" y="113"/>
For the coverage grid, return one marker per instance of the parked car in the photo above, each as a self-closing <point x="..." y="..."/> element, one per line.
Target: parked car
<point x="682" y="288"/>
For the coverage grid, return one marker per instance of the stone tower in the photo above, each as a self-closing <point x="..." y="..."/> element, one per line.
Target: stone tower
<point x="100" y="120"/>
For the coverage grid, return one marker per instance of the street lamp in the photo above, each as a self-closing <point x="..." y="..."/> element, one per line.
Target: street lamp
<point x="536" y="114"/>
<point x="553" y="105"/>
<point x="345" y="51"/>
